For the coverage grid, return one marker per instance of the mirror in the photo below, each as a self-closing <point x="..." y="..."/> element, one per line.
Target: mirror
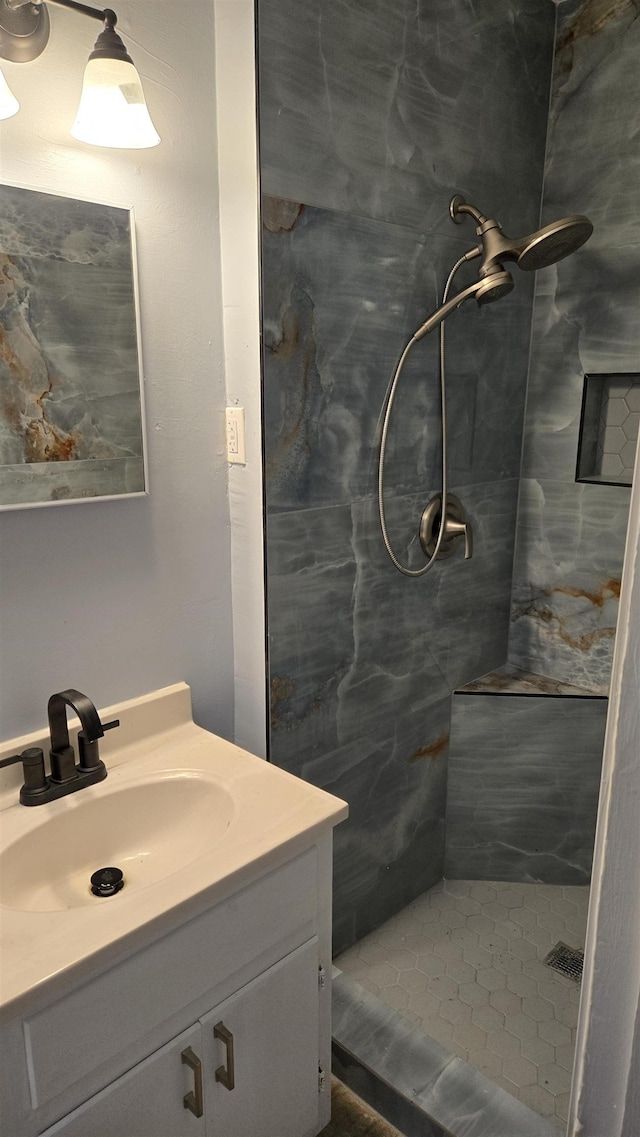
<point x="71" y="409"/>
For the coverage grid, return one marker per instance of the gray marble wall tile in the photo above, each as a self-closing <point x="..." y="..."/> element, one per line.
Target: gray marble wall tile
<point x="596" y="84"/>
<point x="570" y="541"/>
<point x="420" y="637"/>
<point x="372" y="116"/>
<point x="353" y="644"/>
<point x="385" y="109"/>
<point x="362" y="662"/>
<point x="585" y="314"/>
<point x="348" y="656"/>
<point x="458" y="613"/>
<point x="311" y="575"/>
<point x="391" y="848"/>
<point x="522" y="796"/>
<point x="567" y="575"/>
<point x="342" y="295"/>
<point x="584" y="321"/>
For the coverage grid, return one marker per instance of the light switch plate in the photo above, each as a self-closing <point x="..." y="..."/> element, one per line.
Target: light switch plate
<point x="236" y="453"/>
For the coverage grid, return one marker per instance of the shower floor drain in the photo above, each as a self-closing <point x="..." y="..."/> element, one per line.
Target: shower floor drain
<point x="567" y="960"/>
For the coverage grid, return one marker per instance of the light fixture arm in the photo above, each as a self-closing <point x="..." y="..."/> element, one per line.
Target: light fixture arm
<point x="106" y="15"/>
<point x="24" y="26"/>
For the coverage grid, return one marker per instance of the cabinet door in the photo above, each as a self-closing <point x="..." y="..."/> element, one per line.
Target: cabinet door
<point x="147" y="1101"/>
<point x="260" y="1053"/>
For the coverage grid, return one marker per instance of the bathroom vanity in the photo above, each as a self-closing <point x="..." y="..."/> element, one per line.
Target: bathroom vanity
<point x="195" y="1001"/>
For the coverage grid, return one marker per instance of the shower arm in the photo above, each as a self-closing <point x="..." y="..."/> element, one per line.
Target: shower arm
<point x="496" y="247"/>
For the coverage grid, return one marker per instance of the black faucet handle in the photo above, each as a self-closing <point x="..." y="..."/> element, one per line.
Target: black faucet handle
<point x="35" y="780"/>
<point x="88" y="747"/>
<point x="12" y="761"/>
<point x="29" y="758"/>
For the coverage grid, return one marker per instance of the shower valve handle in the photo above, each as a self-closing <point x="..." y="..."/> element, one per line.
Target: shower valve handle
<point x="455" y="528"/>
<point x="456" y="525"/>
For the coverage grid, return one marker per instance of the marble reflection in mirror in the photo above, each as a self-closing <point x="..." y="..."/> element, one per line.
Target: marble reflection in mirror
<point x="71" y="409"/>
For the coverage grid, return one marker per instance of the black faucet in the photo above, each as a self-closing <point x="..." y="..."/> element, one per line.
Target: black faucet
<point x="63" y="761"/>
<point x="65" y="776"/>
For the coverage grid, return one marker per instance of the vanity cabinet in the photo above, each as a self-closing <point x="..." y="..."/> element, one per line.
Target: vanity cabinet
<point x="230" y="1010"/>
<point x="206" y="979"/>
<point x="274" y="1025"/>
<point x="146" y="1100"/>
<point x="248" y="1067"/>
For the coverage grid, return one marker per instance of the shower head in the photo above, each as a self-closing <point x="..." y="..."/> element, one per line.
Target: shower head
<point x="537" y="250"/>
<point x="554" y="242"/>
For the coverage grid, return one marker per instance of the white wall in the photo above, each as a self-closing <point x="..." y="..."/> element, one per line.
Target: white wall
<point x="240" y="231"/>
<point x="117" y="598"/>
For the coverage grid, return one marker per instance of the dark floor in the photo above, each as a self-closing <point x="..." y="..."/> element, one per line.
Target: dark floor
<point x="351" y="1117"/>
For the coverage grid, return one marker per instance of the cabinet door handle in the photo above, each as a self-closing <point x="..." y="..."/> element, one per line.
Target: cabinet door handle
<point x="225" y="1074"/>
<point x="193" y="1100"/>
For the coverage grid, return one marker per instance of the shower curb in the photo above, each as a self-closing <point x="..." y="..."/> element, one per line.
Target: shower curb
<point x="413" y="1081"/>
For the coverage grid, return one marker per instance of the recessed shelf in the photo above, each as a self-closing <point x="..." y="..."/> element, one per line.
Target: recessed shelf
<point x="609" y="429"/>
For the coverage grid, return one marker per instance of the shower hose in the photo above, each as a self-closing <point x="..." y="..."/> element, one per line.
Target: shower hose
<point x="386" y="411"/>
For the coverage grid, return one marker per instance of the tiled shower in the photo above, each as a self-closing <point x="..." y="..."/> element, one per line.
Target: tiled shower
<point x="371" y="116"/>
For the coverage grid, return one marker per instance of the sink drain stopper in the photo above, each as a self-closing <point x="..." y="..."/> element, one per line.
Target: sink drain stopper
<point x="106" y="882"/>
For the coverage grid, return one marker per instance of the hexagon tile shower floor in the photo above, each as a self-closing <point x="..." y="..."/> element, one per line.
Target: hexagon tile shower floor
<point x="465" y="964"/>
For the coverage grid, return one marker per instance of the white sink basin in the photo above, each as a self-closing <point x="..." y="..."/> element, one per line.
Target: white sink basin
<point x="188" y="817"/>
<point x="148" y="831"/>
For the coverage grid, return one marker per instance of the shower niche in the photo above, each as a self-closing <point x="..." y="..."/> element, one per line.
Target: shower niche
<point x="609" y="428"/>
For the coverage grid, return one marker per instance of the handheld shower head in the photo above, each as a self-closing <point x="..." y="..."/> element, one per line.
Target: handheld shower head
<point x="493" y="287"/>
<point x="537" y="250"/>
<point x="483" y="291"/>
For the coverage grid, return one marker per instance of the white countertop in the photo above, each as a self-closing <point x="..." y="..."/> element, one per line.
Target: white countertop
<point x="272" y="815"/>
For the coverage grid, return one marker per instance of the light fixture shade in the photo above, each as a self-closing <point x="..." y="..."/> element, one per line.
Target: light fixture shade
<point x="9" y="105"/>
<point x="112" y="110"/>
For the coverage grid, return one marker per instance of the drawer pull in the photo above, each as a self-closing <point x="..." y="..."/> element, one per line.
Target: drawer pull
<point x="193" y="1100"/>
<point x="225" y="1074"/>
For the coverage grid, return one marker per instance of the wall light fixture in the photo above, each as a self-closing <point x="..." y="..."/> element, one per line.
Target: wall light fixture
<point x="112" y="110"/>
